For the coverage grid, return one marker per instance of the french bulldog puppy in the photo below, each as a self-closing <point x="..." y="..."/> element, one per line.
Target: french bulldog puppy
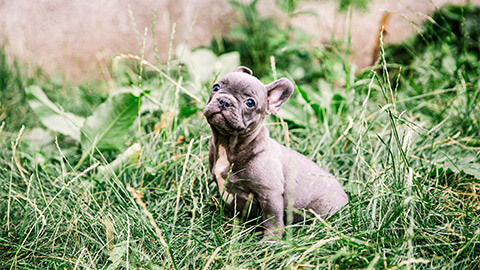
<point x="254" y="172"/>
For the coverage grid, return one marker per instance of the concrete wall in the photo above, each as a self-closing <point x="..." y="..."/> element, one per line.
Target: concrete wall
<point x="76" y="37"/>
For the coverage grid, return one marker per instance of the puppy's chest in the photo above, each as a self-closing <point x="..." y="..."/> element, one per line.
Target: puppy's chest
<point x="232" y="180"/>
<point x="224" y="171"/>
<point x="221" y="166"/>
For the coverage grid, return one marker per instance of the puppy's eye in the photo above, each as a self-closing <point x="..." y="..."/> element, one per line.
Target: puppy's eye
<point x="215" y="88"/>
<point x="250" y="103"/>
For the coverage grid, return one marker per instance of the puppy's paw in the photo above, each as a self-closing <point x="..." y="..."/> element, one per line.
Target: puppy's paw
<point x="271" y="237"/>
<point x="268" y="240"/>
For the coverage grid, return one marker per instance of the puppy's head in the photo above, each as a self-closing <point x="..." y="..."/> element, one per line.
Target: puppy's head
<point x="239" y="102"/>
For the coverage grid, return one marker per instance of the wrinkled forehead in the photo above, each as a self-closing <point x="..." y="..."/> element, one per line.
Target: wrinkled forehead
<point x="242" y="83"/>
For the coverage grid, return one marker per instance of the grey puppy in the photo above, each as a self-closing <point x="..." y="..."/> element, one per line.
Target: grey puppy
<point x="252" y="170"/>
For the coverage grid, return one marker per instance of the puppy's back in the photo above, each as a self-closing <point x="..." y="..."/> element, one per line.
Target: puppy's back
<point x="312" y="186"/>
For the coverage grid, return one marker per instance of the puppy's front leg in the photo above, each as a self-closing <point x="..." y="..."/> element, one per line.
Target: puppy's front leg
<point x="272" y="214"/>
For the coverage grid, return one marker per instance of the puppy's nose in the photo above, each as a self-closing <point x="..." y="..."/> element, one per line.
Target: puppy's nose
<point x="224" y="103"/>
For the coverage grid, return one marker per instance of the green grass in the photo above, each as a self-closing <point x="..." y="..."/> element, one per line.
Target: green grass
<point x="405" y="145"/>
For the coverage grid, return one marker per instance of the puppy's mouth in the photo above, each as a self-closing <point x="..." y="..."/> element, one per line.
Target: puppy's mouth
<point x="218" y="118"/>
<point x="211" y="113"/>
<point x="215" y="116"/>
<point x="222" y="119"/>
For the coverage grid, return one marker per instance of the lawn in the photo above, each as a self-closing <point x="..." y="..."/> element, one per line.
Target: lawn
<point x="100" y="176"/>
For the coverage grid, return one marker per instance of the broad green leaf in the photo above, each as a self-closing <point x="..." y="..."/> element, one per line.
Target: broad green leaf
<point x="52" y="116"/>
<point x="203" y="64"/>
<point x="107" y="128"/>
<point x="129" y="157"/>
<point x="303" y="94"/>
<point x="294" y="113"/>
<point x="466" y="164"/>
<point x="323" y="95"/>
<point x="449" y="64"/>
<point x="473" y="169"/>
<point x="337" y="102"/>
<point x="116" y="255"/>
<point x="38" y="137"/>
<point x="317" y="109"/>
<point x="227" y="62"/>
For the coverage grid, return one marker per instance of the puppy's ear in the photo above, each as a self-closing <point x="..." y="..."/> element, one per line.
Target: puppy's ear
<point x="277" y="93"/>
<point x="244" y="70"/>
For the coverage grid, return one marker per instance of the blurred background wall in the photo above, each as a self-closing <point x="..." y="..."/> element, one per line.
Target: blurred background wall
<point x="76" y="37"/>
